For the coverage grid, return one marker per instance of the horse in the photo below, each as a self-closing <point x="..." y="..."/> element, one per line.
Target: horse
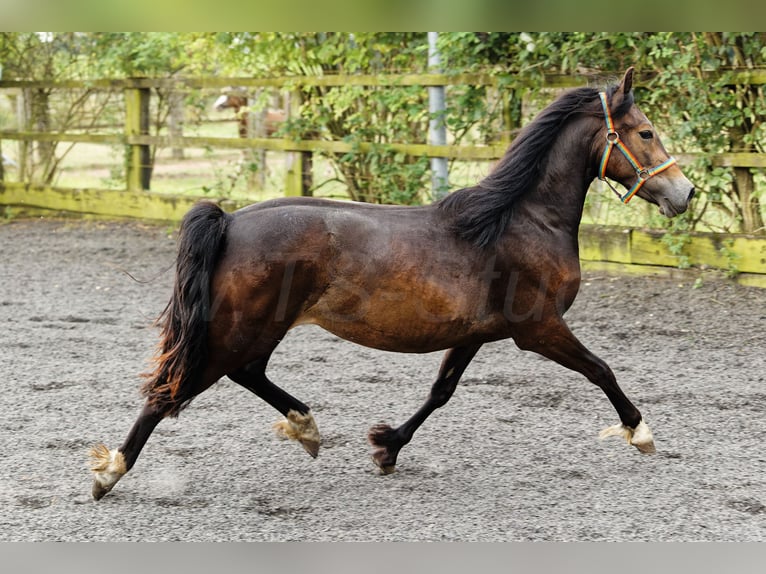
<point x="237" y="101"/>
<point x="495" y="261"/>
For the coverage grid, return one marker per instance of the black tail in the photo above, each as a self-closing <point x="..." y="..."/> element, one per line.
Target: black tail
<point x="182" y="351"/>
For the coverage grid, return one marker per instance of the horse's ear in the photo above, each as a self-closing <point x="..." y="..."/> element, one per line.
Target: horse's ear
<point x="623" y="89"/>
<point x="627" y="81"/>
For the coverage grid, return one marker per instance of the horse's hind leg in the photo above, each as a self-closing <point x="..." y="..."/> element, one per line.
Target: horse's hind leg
<point x="109" y="466"/>
<point x="389" y="441"/>
<point x="298" y="423"/>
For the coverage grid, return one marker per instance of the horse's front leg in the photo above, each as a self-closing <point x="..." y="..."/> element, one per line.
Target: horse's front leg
<point x="552" y="338"/>
<point x="389" y="441"/>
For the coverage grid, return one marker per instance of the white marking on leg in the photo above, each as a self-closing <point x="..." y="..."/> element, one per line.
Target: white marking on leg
<point x="640" y="437"/>
<point x="617" y="430"/>
<point x="108" y="466"/>
<point x="302" y="428"/>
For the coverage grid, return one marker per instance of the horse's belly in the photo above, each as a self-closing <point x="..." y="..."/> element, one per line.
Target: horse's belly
<point x="404" y="324"/>
<point x="398" y="341"/>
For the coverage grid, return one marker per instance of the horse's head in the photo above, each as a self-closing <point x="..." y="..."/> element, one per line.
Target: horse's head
<point x="632" y="154"/>
<point x="221" y="103"/>
<point x="234" y="98"/>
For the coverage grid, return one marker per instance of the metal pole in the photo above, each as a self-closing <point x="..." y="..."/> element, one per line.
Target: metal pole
<point x="437" y="130"/>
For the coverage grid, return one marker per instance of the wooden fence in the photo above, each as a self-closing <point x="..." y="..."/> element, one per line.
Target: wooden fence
<point x="136" y="201"/>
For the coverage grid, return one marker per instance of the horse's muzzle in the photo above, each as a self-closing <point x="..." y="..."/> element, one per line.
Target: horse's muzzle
<point x="676" y="202"/>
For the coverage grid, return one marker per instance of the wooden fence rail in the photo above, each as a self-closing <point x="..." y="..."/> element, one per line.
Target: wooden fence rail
<point x="463" y="152"/>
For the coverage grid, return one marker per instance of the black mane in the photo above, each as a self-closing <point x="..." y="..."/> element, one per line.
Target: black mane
<point x="482" y="213"/>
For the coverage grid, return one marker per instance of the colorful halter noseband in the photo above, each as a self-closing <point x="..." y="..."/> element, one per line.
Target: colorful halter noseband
<point x="613" y="141"/>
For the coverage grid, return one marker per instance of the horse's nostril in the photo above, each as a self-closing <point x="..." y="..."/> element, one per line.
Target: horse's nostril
<point x="691" y="195"/>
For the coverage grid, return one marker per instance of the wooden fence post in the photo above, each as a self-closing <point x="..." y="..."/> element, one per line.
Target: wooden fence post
<point x="176" y="119"/>
<point x="307" y="177"/>
<point x="298" y="180"/>
<point x="138" y="162"/>
<point x="22" y="125"/>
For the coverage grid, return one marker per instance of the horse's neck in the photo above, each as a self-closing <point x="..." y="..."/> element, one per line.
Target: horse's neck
<point x="237" y="103"/>
<point x="559" y="195"/>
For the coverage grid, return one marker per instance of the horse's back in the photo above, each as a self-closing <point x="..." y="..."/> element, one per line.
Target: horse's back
<point x="299" y="226"/>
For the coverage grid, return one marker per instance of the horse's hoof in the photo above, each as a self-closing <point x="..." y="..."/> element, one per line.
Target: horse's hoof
<point x="382" y="460"/>
<point x="642" y="439"/>
<point x="647" y="448"/>
<point x="384" y="469"/>
<point x="311" y="447"/>
<point x="99" y="491"/>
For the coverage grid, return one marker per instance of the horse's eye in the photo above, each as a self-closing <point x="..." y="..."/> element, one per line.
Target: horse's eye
<point x="646" y="134"/>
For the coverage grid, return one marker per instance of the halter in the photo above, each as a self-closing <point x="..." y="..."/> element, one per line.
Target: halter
<point x="613" y="141"/>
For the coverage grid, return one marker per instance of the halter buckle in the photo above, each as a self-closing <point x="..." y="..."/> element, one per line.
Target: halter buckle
<point x="644" y="174"/>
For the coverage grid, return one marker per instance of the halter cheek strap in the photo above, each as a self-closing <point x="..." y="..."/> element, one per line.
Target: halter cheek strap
<point x="613" y="141"/>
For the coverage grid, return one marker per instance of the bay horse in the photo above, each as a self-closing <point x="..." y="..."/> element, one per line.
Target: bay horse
<point x="237" y="101"/>
<point x="495" y="261"/>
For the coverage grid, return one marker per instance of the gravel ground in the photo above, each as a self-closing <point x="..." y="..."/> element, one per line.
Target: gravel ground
<point x="513" y="457"/>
